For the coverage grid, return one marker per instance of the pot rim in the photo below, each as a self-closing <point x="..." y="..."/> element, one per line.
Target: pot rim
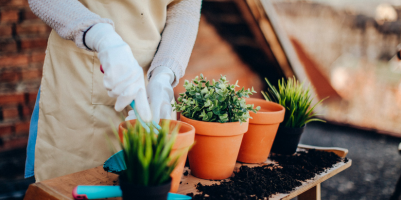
<point x="266" y="117"/>
<point x="293" y="128"/>
<point x="219" y="129"/>
<point x="184" y="139"/>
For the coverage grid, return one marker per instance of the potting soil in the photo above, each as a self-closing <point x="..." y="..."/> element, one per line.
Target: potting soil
<point x="264" y="181"/>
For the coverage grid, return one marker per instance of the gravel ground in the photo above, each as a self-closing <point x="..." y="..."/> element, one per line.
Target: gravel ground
<point x="376" y="163"/>
<point x="373" y="175"/>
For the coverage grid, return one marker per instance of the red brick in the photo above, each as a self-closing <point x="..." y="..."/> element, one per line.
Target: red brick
<point x="14" y="3"/>
<point x="33" y="43"/>
<point x="9" y="76"/>
<point x="32" y="97"/>
<point x="32" y="28"/>
<point x="6" y="129"/>
<point x="31" y="74"/>
<point x="14" y="143"/>
<point x="6" y="31"/>
<point x="14" y="60"/>
<point x="38" y="57"/>
<point x="28" y="15"/>
<point x="10" y="113"/>
<point x="12" y="98"/>
<point x="8" y="45"/>
<point x="22" y="128"/>
<point x="27" y="111"/>
<point x="9" y="15"/>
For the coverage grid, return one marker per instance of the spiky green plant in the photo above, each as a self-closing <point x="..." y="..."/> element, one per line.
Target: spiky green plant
<point x="295" y="99"/>
<point x="147" y="155"/>
<point x="214" y="102"/>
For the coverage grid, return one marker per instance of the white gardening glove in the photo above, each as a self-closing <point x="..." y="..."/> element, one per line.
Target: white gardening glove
<point x="123" y="77"/>
<point x="160" y="94"/>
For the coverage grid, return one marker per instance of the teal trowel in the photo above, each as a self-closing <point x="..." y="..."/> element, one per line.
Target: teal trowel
<point x="115" y="163"/>
<point x="86" y="192"/>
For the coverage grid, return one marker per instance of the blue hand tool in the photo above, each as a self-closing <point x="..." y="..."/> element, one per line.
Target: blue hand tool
<point x="83" y="192"/>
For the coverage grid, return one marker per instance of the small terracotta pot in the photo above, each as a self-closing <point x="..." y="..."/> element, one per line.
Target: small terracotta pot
<point x="216" y="147"/>
<point x="258" y="140"/>
<point x="185" y="138"/>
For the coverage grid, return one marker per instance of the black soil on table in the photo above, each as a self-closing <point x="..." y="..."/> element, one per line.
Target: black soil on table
<point x="265" y="181"/>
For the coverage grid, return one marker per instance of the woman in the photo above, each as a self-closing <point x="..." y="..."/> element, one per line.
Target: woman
<point x="131" y="39"/>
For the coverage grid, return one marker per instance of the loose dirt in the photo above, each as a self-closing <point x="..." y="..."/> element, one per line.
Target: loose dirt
<point x="264" y="181"/>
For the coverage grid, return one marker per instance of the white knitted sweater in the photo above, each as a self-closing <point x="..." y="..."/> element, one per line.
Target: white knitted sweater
<point x="70" y="19"/>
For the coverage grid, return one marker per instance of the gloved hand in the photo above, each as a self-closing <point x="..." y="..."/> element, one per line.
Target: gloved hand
<point x="123" y="77"/>
<point x="160" y="93"/>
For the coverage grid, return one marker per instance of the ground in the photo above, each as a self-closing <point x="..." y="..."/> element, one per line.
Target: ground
<point x="375" y="162"/>
<point x="374" y="172"/>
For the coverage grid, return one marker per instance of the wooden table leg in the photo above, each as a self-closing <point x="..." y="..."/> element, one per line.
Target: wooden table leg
<point x="311" y="194"/>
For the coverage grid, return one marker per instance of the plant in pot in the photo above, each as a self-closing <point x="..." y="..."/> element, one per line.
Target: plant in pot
<point x="220" y="117"/>
<point x="149" y="161"/>
<point x="184" y="141"/>
<point x="297" y="101"/>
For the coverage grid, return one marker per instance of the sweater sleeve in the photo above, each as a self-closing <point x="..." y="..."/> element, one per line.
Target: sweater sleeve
<point x="178" y="38"/>
<point x="69" y="18"/>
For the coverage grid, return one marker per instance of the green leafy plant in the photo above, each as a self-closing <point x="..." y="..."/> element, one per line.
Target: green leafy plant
<point x="147" y="155"/>
<point x="214" y="102"/>
<point x="295" y="99"/>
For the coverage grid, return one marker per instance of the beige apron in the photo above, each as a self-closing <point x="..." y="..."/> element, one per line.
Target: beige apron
<point x="75" y="111"/>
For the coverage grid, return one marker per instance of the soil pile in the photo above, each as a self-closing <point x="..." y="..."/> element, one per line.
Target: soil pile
<point x="264" y="181"/>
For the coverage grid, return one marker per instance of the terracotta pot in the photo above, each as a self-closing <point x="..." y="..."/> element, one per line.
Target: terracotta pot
<point x="185" y="138"/>
<point x="216" y="147"/>
<point x="258" y="140"/>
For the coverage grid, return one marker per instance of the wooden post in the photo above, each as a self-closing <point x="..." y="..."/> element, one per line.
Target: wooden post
<point x="311" y="194"/>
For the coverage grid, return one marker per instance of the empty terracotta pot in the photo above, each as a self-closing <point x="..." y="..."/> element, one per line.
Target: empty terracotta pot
<point x="216" y="147"/>
<point x="258" y="140"/>
<point x="185" y="138"/>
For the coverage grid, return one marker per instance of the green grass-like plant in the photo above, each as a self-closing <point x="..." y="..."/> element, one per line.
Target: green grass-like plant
<point x="295" y="99"/>
<point x="147" y="155"/>
<point x="214" y="102"/>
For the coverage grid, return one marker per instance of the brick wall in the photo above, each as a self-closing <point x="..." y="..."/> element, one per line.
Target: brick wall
<point x="23" y="40"/>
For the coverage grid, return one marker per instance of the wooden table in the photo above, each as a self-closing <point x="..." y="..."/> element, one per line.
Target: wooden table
<point x="61" y="187"/>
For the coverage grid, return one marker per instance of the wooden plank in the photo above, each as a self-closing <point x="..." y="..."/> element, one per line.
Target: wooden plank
<point x="189" y="182"/>
<point x="282" y="48"/>
<point x="311" y="194"/>
<point x="36" y="192"/>
<point x="270" y="35"/>
<point x="317" y="180"/>
<point x="252" y="17"/>
<point x="341" y="152"/>
<point x="285" y="43"/>
<point x="61" y="187"/>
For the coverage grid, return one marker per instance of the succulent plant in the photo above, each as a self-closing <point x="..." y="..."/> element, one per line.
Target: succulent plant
<point x="295" y="99"/>
<point x="148" y="155"/>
